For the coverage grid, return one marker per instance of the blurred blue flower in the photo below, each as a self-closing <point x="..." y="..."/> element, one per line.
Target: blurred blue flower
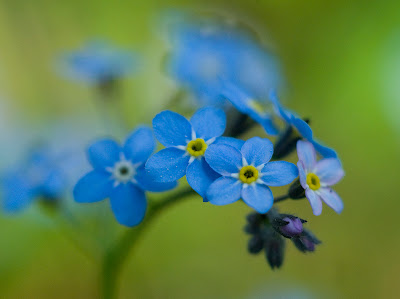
<point x="40" y="176"/>
<point x="317" y="177"/>
<point x="247" y="174"/>
<point x="119" y="174"/>
<point x="186" y="143"/>
<point x="260" y="111"/>
<point x="98" y="62"/>
<point x="203" y="53"/>
<point x="300" y="125"/>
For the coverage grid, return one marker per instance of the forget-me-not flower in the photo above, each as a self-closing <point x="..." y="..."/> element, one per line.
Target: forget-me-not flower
<point x="302" y="127"/>
<point x="98" y="62"/>
<point x="253" y="107"/>
<point x="205" y="52"/>
<point x="247" y="173"/>
<point x="119" y="175"/>
<point x="317" y="178"/>
<point x="41" y="176"/>
<point x="186" y="143"/>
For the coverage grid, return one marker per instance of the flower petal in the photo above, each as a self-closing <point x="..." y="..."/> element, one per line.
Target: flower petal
<point x="200" y="176"/>
<point x="315" y="202"/>
<point x="18" y="193"/>
<point x="139" y="145"/>
<point x="331" y="198"/>
<point x="302" y="127"/>
<point x="259" y="197"/>
<point x="172" y="129"/>
<point x="167" y="165"/>
<point x="279" y="173"/>
<point x="325" y="151"/>
<point x="302" y="174"/>
<point x="208" y="123"/>
<point x="94" y="186"/>
<point x="104" y="153"/>
<point x="224" y="191"/>
<point x="268" y="125"/>
<point x="329" y="171"/>
<point x="257" y="151"/>
<point x="147" y="183"/>
<point x="223" y="158"/>
<point x="128" y="204"/>
<point x="307" y="154"/>
<point x="236" y="143"/>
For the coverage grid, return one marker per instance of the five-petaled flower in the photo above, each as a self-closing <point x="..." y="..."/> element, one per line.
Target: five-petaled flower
<point x="186" y="144"/>
<point x="302" y="127"/>
<point x="317" y="177"/>
<point x="247" y="174"/>
<point x="99" y="62"/>
<point x="42" y="176"/>
<point x="119" y="174"/>
<point x="204" y="53"/>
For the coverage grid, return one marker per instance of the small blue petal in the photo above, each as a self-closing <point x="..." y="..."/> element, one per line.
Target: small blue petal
<point x="139" y="145"/>
<point x="94" y="186"/>
<point x="172" y="129"/>
<point x="18" y="194"/>
<point x="236" y="96"/>
<point x="200" y="176"/>
<point x="303" y="128"/>
<point x="223" y="158"/>
<point x="224" y="191"/>
<point x="146" y="182"/>
<point x="326" y="152"/>
<point x="167" y="165"/>
<point x="236" y="143"/>
<point x="257" y="151"/>
<point x="259" y="197"/>
<point x="329" y="171"/>
<point x="279" y="173"/>
<point x="286" y="115"/>
<point x="209" y="122"/>
<point x="268" y="125"/>
<point x="307" y="154"/>
<point x="128" y="204"/>
<point x="104" y="153"/>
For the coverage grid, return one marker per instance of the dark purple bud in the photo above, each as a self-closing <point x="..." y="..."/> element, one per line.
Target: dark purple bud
<point x="275" y="250"/>
<point x="306" y="242"/>
<point x="255" y="245"/>
<point x="293" y="228"/>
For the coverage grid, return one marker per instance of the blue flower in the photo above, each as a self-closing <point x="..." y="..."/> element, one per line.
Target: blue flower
<point x="260" y="111"/>
<point x="247" y="174"/>
<point x="204" y="53"/>
<point x="301" y="126"/>
<point x="317" y="177"/>
<point x="41" y="176"/>
<point x="186" y="143"/>
<point x="119" y="174"/>
<point x="99" y="62"/>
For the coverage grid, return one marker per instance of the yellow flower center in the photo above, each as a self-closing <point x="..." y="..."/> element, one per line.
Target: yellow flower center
<point x="313" y="181"/>
<point x="248" y="174"/>
<point x="197" y="147"/>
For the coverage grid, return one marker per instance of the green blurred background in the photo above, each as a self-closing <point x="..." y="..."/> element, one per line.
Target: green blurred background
<point x="342" y="62"/>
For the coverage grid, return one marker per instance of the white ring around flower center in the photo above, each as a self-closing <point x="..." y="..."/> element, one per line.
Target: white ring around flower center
<point x="123" y="171"/>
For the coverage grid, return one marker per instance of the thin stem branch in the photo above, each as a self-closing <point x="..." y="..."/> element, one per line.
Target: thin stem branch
<point x="116" y="256"/>
<point x="281" y="198"/>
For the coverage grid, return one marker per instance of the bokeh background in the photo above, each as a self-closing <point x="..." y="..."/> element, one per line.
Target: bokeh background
<point x="341" y="60"/>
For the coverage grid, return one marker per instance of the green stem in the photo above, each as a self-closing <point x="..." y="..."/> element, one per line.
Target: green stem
<point x="116" y="256"/>
<point x="281" y="198"/>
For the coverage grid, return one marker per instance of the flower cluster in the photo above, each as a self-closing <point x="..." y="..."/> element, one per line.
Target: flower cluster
<point x="216" y="148"/>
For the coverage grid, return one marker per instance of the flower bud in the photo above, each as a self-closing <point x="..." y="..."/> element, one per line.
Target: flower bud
<point x="256" y="244"/>
<point x="306" y="242"/>
<point x="275" y="250"/>
<point x="288" y="226"/>
<point x="296" y="191"/>
<point x="293" y="228"/>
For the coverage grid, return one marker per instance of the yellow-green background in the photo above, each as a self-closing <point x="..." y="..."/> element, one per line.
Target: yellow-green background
<point x="342" y="63"/>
